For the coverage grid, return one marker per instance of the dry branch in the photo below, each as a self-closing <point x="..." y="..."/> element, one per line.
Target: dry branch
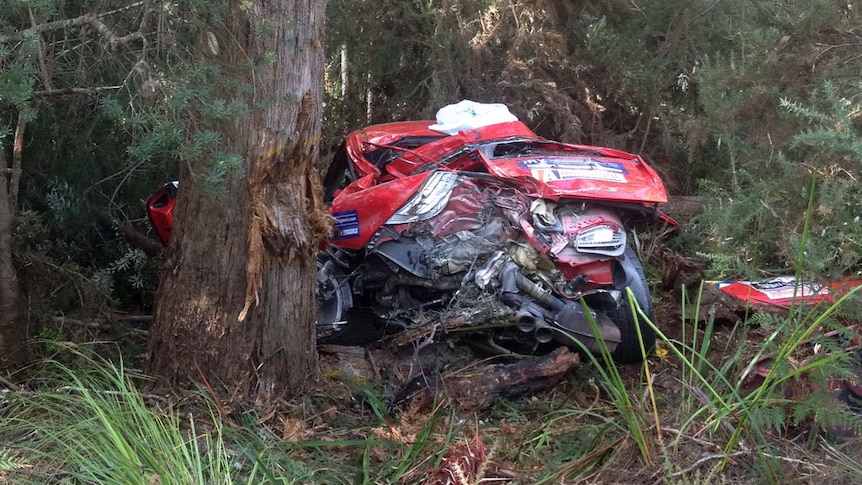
<point x="89" y="18"/>
<point x="478" y="389"/>
<point x="131" y="235"/>
<point x="67" y="91"/>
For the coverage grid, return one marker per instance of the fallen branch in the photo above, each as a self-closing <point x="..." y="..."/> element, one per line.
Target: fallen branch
<point x="9" y="384"/>
<point x="693" y="438"/>
<point x="131" y="235"/>
<point x="74" y="321"/>
<point x="478" y="389"/>
<point x="721" y="456"/>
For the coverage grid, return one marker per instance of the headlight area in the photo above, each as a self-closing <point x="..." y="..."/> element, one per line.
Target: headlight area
<point x="428" y="201"/>
<point x="605" y="239"/>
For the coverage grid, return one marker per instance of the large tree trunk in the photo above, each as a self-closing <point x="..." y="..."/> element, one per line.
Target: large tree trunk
<point x="236" y="302"/>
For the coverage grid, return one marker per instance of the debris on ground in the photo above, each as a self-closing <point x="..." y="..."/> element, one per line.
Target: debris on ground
<point x="424" y="377"/>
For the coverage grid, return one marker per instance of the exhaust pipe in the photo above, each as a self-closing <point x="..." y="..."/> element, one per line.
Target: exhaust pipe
<point x="544" y="333"/>
<point x="526" y="321"/>
<point x="529" y="316"/>
<point x="541" y="306"/>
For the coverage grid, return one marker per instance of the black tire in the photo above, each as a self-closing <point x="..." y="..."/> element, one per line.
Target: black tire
<point x="629" y="349"/>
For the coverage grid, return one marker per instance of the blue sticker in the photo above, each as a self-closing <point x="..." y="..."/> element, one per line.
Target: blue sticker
<point x="346" y="225"/>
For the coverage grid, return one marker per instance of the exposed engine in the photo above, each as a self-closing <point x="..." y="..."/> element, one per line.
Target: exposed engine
<point x="486" y="237"/>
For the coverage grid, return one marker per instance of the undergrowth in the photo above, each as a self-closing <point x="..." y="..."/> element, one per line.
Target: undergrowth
<point x="91" y="424"/>
<point x="708" y="400"/>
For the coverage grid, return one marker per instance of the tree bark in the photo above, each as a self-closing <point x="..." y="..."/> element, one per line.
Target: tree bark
<point x="236" y="305"/>
<point x="13" y="333"/>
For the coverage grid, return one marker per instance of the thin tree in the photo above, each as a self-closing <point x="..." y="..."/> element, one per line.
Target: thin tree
<point x="13" y="334"/>
<point x="236" y="308"/>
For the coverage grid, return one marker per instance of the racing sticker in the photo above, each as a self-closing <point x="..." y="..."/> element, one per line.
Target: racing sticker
<point x="786" y="287"/>
<point x="346" y="225"/>
<point x="778" y="288"/>
<point x="556" y="169"/>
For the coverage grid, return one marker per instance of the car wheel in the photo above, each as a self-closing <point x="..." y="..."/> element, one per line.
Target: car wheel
<point x="629" y="349"/>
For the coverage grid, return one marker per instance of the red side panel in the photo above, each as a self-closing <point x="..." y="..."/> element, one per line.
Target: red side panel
<point x="358" y="215"/>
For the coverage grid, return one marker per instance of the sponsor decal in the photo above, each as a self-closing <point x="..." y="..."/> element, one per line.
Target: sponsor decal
<point x="778" y="288"/>
<point x="786" y="287"/>
<point x="556" y="169"/>
<point x="346" y="225"/>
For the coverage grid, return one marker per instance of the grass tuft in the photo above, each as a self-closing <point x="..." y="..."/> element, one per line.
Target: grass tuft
<point x="92" y="425"/>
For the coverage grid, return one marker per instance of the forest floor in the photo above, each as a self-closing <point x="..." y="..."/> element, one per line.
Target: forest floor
<point x="573" y="428"/>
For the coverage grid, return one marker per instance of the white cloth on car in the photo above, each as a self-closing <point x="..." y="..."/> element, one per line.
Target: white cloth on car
<point x="468" y="115"/>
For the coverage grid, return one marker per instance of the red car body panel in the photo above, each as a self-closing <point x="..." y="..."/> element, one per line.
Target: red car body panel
<point x="160" y="210"/>
<point x="559" y="171"/>
<point x="360" y="214"/>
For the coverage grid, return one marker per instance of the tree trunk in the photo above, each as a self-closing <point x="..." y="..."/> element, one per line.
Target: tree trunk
<point x="13" y="333"/>
<point x="236" y="304"/>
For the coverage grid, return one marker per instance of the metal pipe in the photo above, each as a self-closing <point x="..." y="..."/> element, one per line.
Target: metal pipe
<point x="512" y="280"/>
<point x="543" y="334"/>
<point x="529" y="315"/>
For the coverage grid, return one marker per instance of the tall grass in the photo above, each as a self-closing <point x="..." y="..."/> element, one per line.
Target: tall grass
<point x="629" y="410"/>
<point x="718" y="400"/>
<point x="91" y="425"/>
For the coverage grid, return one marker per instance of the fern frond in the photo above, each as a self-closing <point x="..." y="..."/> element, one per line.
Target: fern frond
<point x="8" y="461"/>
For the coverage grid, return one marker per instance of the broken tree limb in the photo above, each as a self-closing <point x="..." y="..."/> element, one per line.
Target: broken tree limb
<point x="472" y="389"/>
<point x="476" y="315"/>
<point x="131" y="235"/>
<point x="479" y="388"/>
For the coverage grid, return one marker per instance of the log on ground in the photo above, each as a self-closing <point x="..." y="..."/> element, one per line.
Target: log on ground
<point x="479" y="388"/>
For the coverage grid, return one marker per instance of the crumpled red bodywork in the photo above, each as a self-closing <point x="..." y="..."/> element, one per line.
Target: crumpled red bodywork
<point x="391" y="161"/>
<point x="160" y="210"/>
<point x="576" y="171"/>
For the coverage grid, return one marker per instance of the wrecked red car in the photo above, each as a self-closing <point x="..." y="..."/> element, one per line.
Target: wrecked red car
<point x="485" y="227"/>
